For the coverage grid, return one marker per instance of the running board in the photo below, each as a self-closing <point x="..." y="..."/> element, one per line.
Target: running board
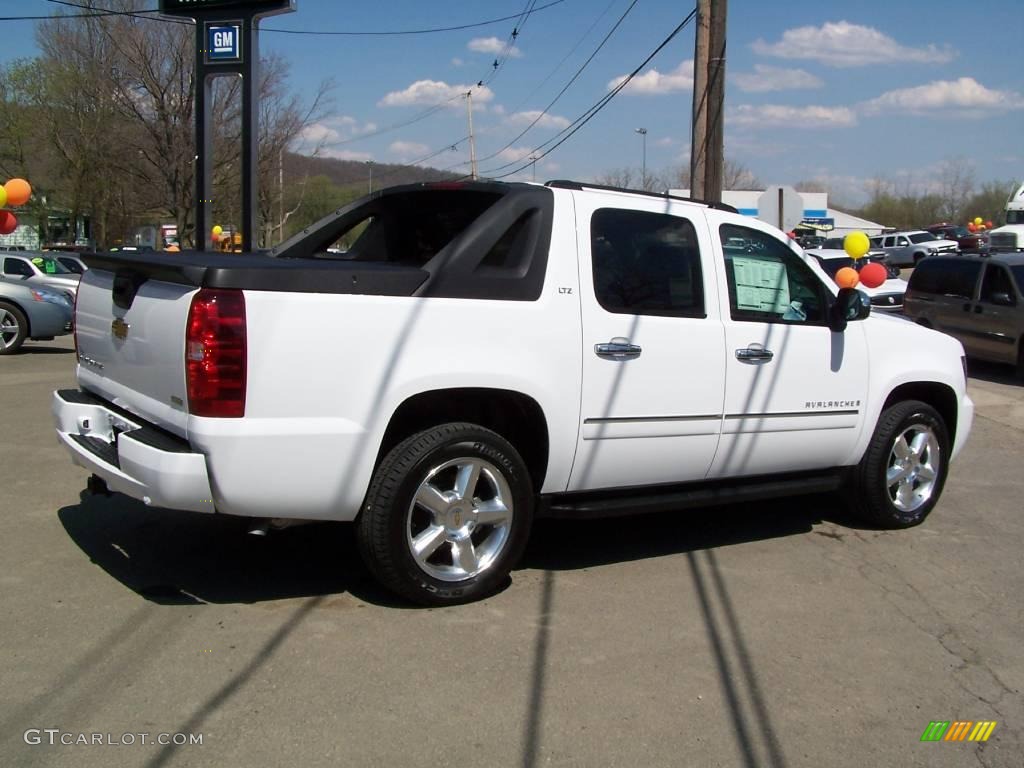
<point x="663" y="498"/>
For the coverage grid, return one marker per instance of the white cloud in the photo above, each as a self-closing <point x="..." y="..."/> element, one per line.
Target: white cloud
<point x="543" y="121"/>
<point x="654" y="82"/>
<point x="457" y="62"/>
<point x="515" y="154"/>
<point x="842" y="44"/>
<point x="965" y="97"/>
<point x="766" y="78"/>
<point x="665" y="141"/>
<point x="318" y="133"/>
<point x="408" y="150"/>
<point x="498" y="109"/>
<point x="430" y="92"/>
<point x="493" y="45"/>
<point x="775" y="115"/>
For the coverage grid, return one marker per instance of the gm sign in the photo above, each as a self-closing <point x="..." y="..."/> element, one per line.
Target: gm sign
<point x="223" y="42"/>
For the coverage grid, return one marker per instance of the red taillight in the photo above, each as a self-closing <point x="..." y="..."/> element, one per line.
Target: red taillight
<point x="215" y="355"/>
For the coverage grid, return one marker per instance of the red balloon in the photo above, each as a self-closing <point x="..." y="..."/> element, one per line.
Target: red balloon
<point x="8" y="222"/>
<point x="872" y="275"/>
<point x="972" y="227"/>
<point x="988" y="225"/>
<point x="847" y="277"/>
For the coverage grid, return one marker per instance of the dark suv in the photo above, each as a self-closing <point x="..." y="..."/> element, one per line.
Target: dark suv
<point x="972" y="242"/>
<point x="978" y="300"/>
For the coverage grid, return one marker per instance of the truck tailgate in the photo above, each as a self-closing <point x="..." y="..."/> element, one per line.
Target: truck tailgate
<point x="132" y="349"/>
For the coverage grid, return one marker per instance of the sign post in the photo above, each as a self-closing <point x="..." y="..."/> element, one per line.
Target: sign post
<point x="227" y="37"/>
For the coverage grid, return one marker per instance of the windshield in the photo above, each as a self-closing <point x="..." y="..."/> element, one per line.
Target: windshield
<point x="922" y="237"/>
<point x="49" y="266"/>
<point x="1015" y="217"/>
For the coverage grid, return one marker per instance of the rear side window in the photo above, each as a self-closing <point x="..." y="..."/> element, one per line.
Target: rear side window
<point x="768" y="282"/>
<point x="946" y="277"/>
<point x="646" y="264"/>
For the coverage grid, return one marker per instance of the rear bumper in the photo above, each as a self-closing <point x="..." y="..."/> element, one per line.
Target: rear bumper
<point x="133" y="457"/>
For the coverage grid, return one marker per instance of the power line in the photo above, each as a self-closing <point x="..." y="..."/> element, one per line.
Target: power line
<point x="567" y="85"/>
<point x="583" y="119"/>
<point x="141" y="13"/>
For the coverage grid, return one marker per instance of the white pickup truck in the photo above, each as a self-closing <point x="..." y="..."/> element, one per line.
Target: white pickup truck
<point x="483" y="353"/>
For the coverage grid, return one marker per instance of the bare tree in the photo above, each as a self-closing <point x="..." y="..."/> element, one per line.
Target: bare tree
<point x="956" y="186"/>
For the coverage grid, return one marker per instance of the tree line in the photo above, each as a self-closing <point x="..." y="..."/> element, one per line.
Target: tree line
<point x="102" y="123"/>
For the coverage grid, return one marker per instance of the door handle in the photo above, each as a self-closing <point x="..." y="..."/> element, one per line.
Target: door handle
<point x="754" y="353"/>
<point x="617" y="349"/>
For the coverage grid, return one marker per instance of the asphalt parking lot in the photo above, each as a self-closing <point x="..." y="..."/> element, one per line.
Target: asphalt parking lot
<point x="782" y="634"/>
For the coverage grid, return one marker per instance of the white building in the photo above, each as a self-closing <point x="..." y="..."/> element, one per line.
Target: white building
<point x="817" y="214"/>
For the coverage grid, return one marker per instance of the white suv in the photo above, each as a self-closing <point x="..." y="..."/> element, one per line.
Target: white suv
<point x="482" y="354"/>
<point x="905" y="249"/>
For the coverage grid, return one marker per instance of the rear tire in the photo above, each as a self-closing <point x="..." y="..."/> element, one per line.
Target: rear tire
<point x="447" y="515"/>
<point x="917" y="258"/>
<point x="13" y="328"/>
<point x="900" y="479"/>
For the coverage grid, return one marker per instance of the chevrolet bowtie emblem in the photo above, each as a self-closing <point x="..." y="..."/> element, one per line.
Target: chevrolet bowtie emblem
<point x="119" y="329"/>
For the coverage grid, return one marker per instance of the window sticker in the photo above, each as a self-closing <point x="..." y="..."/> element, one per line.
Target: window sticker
<point x="761" y="286"/>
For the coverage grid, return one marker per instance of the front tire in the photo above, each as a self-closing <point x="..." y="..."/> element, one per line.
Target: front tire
<point x="13" y="328"/>
<point x="900" y="479"/>
<point x="447" y="515"/>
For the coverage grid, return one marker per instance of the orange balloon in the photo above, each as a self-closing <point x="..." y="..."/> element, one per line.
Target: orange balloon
<point x="847" y="277"/>
<point x="18" y="191"/>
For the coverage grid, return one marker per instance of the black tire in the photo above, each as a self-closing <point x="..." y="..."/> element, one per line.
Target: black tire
<point x="869" y="490"/>
<point x="917" y="258"/>
<point x="13" y="328"/>
<point x="390" y="516"/>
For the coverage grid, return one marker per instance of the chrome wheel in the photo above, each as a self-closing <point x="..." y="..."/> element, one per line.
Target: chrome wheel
<point x="915" y="461"/>
<point x="9" y="329"/>
<point x="460" y="519"/>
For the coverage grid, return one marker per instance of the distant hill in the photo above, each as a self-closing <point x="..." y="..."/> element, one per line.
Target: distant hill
<point x="353" y="173"/>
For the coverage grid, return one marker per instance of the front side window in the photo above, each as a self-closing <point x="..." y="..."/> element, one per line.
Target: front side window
<point x="996" y="280"/>
<point x="923" y="237"/>
<point x="768" y="282"/>
<point x="646" y="264"/>
<point x="890" y="242"/>
<point x="17" y="267"/>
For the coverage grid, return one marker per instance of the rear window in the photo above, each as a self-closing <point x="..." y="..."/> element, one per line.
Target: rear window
<point x="407" y="229"/>
<point x="945" y="277"/>
<point x="1018" y="276"/>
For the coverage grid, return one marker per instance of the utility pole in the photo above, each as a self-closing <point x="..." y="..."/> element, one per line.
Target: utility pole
<point x="643" y="166"/>
<point x="698" y="136"/>
<point x="280" y="197"/>
<point x="715" y="155"/>
<point x="369" y="165"/>
<point x="472" y="140"/>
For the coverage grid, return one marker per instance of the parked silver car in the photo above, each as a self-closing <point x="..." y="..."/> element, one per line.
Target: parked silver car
<point x="30" y="312"/>
<point x="905" y="249"/>
<point x="40" y="270"/>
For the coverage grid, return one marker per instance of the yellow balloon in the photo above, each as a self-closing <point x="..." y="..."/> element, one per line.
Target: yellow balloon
<point x="978" y="220"/>
<point x="856" y="244"/>
<point x="218" y="230"/>
<point x="3" y="197"/>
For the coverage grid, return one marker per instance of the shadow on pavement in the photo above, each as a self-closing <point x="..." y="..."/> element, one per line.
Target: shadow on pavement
<point x="996" y="373"/>
<point x="179" y="558"/>
<point x="568" y="544"/>
<point x="36" y="348"/>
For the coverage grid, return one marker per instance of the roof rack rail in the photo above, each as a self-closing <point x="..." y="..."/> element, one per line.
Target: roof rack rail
<point x="579" y="185"/>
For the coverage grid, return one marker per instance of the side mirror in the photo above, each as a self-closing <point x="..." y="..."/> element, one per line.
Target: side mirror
<point x="1003" y="300"/>
<point x="849" y="305"/>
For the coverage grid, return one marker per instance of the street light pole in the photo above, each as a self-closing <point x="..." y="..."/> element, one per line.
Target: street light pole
<point x="643" y="172"/>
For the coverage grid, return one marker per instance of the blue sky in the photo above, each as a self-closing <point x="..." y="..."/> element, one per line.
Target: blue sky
<point x="838" y="92"/>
